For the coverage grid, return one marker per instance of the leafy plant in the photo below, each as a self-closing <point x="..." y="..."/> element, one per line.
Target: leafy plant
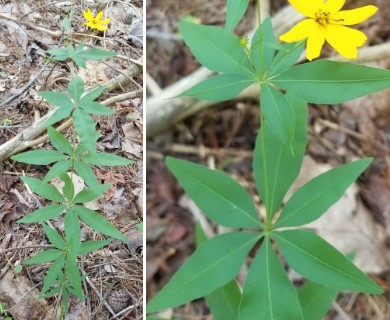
<point x="280" y="145"/>
<point x="70" y="157"/>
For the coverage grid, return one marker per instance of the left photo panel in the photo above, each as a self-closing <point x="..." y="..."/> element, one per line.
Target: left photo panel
<point x="71" y="155"/>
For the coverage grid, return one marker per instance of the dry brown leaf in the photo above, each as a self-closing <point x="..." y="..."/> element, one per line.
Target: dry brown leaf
<point x="21" y="298"/>
<point x="7" y="181"/>
<point x="109" y="176"/>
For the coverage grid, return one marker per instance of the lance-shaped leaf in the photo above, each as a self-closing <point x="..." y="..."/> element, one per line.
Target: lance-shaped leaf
<point x="211" y="266"/>
<point x="92" y="95"/>
<point x="41" y="157"/>
<point x="268" y="293"/>
<point x="106" y="159"/>
<point x="235" y="9"/>
<point x="332" y="82"/>
<point x="46" y="213"/>
<point x="72" y="232"/>
<point x="58" y="115"/>
<point x="219" y="88"/>
<point x="216" y="49"/>
<point x="76" y="88"/>
<point x="86" y="173"/>
<point x="317" y="260"/>
<point x="73" y="273"/>
<point x="96" y="54"/>
<point x="221" y="198"/>
<point x="85" y="128"/>
<point x="52" y="274"/>
<point x="57" y="98"/>
<point x="278" y="113"/>
<point x="59" y="141"/>
<point x="286" y="57"/>
<point x="276" y="165"/>
<point x="44" y="189"/>
<point x="310" y="201"/>
<point x="225" y="301"/>
<point x="96" y="108"/>
<point x="316" y="300"/>
<point x="57" y="169"/>
<point x="54" y="237"/>
<point x="98" y="223"/>
<point x="90" y="246"/>
<point x="45" y="256"/>
<point x="262" y="47"/>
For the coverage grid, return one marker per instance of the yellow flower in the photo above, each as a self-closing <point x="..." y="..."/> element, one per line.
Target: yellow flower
<point x="95" y="22"/>
<point x="326" y="22"/>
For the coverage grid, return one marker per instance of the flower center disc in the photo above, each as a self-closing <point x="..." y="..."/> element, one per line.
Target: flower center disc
<point x="322" y="17"/>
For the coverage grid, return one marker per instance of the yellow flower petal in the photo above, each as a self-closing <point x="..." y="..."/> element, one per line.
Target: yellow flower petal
<point x="315" y="42"/>
<point x="99" y="15"/>
<point x="333" y="6"/>
<point x="307" y="7"/>
<point x="106" y="21"/>
<point x="89" y="15"/>
<point x="345" y="40"/>
<point x="300" y="31"/>
<point x="355" y="16"/>
<point x="101" y="28"/>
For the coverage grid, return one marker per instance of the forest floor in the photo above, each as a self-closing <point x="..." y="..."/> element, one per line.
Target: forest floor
<point x="223" y="136"/>
<point x="27" y="30"/>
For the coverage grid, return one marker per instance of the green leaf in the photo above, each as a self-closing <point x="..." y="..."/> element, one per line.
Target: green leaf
<point x="95" y="108"/>
<point x="76" y="88"/>
<point x="211" y="266"/>
<point x="57" y="169"/>
<point x="316" y="300"/>
<point x="275" y="165"/>
<point x="58" y="115"/>
<point x="219" y="88"/>
<point x="90" y="246"/>
<point x="79" y="61"/>
<point x="332" y="82"/>
<point x="52" y="274"/>
<point x="313" y="199"/>
<point x="59" y="141"/>
<point x="41" y="157"/>
<point x="54" y="237"/>
<point x="92" y="95"/>
<point x="90" y="194"/>
<point x="51" y="292"/>
<point x="68" y="188"/>
<point x="85" y="128"/>
<point x="268" y="293"/>
<point x="262" y="49"/>
<point x="46" y="213"/>
<point x="221" y="198"/>
<point x="225" y="301"/>
<point x="216" y="49"/>
<point x="286" y="57"/>
<point x="72" y="232"/>
<point x="65" y="301"/>
<point x="44" y="189"/>
<point x="235" y="10"/>
<point x="72" y="271"/>
<point x="315" y="259"/>
<point x="57" y="98"/>
<point x="67" y="23"/>
<point x="106" y="159"/>
<point x="99" y="223"/>
<point x="96" y="54"/>
<point x="278" y="113"/>
<point x="86" y="173"/>
<point x="59" y="54"/>
<point x="45" y="256"/>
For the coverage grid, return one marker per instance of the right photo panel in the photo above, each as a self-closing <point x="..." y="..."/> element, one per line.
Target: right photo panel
<point x="267" y="172"/>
